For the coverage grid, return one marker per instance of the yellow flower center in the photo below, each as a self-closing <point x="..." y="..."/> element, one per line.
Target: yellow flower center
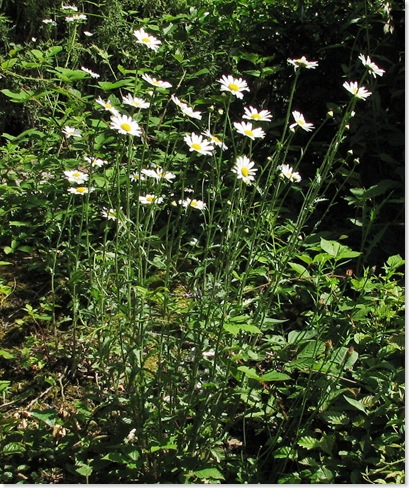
<point x="300" y="122"/>
<point x="248" y="132"/>
<point x="126" y="127"/>
<point x="216" y="140"/>
<point x="146" y="40"/>
<point x="196" y="146"/>
<point x="76" y="175"/>
<point x="256" y="116"/>
<point x="245" y="171"/>
<point x="81" y="189"/>
<point x="194" y="203"/>
<point x="150" y="198"/>
<point x="233" y="87"/>
<point x="355" y="90"/>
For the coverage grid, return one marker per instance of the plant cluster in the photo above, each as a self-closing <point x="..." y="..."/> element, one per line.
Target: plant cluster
<point x="201" y="325"/>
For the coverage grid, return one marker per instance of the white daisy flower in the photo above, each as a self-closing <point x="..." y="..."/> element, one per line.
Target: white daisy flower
<point x="155" y="82"/>
<point x="107" y="105"/>
<point x="76" y="17"/>
<point x="214" y="139"/>
<point x="373" y="69"/>
<point x="357" y="91"/>
<point x="76" y="176"/>
<point x="80" y="190"/>
<point x="95" y="161"/>
<point x="300" y="121"/>
<point x="90" y="72"/>
<point x="136" y="176"/>
<point x="286" y="171"/>
<point x="246" y="129"/>
<point x="244" y="169"/>
<point x="253" y="114"/>
<point x="135" y="102"/>
<point x="88" y="33"/>
<point x="71" y="132"/>
<point x="192" y="202"/>
<point x="198" y="144"/>
<point x="236" y="86"/>
<point x="186" y="110"/>
<point x="150" y="199"/>
<point x="144" y="38"/>
<point x="69" y="7"/>
<point x="125" y="125"/>
<point x="303" y="63"/>
<point x="159" y="174"/>
<point x="109" y="213"/>
<point x="49" y="21"/>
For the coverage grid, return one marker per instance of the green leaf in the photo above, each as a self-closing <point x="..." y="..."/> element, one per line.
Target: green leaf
<point x="17" y="97"/>
<point x="4" y="384"/>
<point x="337" y="250"/>
<point x="106" y="85"/>
<point x="209" y="473"/>
<point x="299" y="268"/>
<point x="249" y="372"/>
<point x="275" y="376"/>
<point x="308" y="442"/>
<point x="50" y="417"/>
<point x="6" y="354"/>
<point x="300" y="336"/>
<point x="84" y="470"/>
<point x="355" y="403"/>
<point x="234" y="329"/>
<point x="14" y="448"/>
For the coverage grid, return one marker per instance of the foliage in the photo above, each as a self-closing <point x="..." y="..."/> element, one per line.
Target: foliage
<point x="198" y="319"/>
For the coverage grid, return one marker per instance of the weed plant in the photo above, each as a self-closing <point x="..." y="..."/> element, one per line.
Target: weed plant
<point x="191" y="281"/>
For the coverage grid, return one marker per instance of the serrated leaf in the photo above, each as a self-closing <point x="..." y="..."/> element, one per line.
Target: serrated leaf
<point x="337" y="250"/>
<point x="234" y="329"/>
<point x="308" y="442"/>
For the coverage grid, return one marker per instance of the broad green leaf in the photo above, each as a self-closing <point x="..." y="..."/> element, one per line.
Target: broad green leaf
<point x="209" y="473"/>
<point x="299" y="268"/>
<point x="14" y="448"/>
<point x="249" y="372"/>
<point x="106" y="85"/>
<point x="275" y="376"/>
<point x="395" y="261"/>
<point x="337" y="250"/>
<point x="17" y="97"/>
<point x="308" y="442"/>
<point x="355" y="403"/>
<point x="234" y="329"/>
<point x="84" y="470"/>
<point x="300" y="335"/>
<point x="6" y="354"/>
<point x="50" y="417"/>
<point x="4" y="384"/>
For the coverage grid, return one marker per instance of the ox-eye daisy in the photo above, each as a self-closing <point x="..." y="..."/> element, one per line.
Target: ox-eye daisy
<point x="303" y="63"/>
<point x="76" y="176"/>
<point x="253" y="114"/>
<point x="246" y="129"/>
<point x="95" y="161"/>
<point x="155" y="82"/>
<point x="192" y="202"/>
<point x="198" y="144"/>
<point x="236" y="86"/>
<point x="286" y="171"/>
<point x="135" y="102"/>
<point x="214" y="139"/>
<point x="109" y="213"/>
<point x="159" y="174"/>
<point x="300" y="121"/>
<point x="90" y="72"/>
<point x="125" y="125"/>
<point x="373" y="69"/>
<point x="71" y="132"/>
<point x="244" y="169"/>
<point x="144" y="38"/>
<point x="357" y="91"/>
<point x="80" y="190"/>
<point x="107" y="105"/>
<point x="149" y="199"/>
